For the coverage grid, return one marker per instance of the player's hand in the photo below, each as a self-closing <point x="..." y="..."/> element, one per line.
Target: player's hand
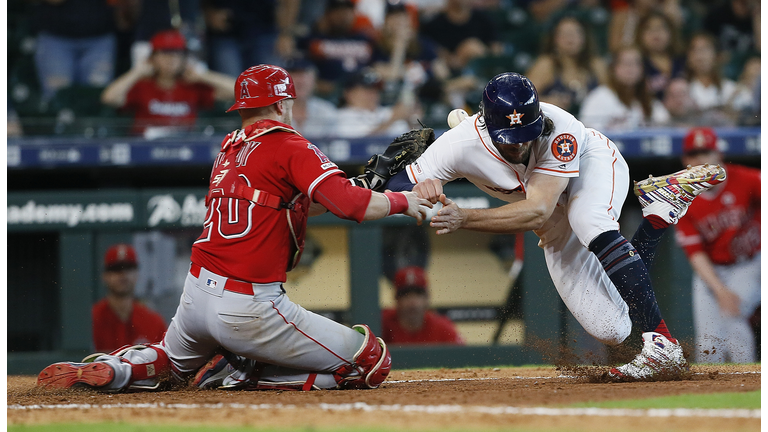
<point x="729" y="302"/>
<point x="429" y="189"/>
<point x="417" y="207"/>
<point x="449" y="219"/>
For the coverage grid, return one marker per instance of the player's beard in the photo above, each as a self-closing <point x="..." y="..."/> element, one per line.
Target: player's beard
<point x="515" y="153"/>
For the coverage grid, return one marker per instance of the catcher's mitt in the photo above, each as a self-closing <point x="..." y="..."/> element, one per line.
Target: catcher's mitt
<point x="403" y="151"/>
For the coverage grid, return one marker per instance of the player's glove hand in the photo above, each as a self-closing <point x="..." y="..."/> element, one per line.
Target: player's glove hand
<point x="403" y="151"/>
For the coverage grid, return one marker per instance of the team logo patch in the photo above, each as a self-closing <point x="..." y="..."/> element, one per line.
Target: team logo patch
<point x="210" y="283"/>
<point x="323" y="158"/>
<point x="564" y="147"/>
<point x="245" y="92"/>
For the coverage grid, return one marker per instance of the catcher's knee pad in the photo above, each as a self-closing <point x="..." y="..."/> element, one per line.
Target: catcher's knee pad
<point x="372" y="363"/>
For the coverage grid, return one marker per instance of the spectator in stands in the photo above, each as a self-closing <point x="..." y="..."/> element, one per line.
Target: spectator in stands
<point x="336" y="47"/>
<point x="166" y="92"/>
<point x="657" y="37"/>
<point x="402" y="58"/>
<point x="243" y="33"/>
<point x="119" y="318"/>
<point x="313" y="117"/>
<point x="152" y="17"/>
<point x="462" y="34"/>
<point x="720" y="233"/>
<point x="749" y="82"/>
<point x="14" y="128"/>
<point x="624" y="103"/>
<point x="626" y="17"/>
<point x="362" y="114"/>
<point x="76" y="44"/>
<point x="679" y="104"/>
<point x="567" y="69"/>
<point x="736" y="27"/>
<point x="709" y="90"/>
<point x="411" y="322"/>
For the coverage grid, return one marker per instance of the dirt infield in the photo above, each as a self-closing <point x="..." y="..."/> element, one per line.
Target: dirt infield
<point x="477" y="399"/>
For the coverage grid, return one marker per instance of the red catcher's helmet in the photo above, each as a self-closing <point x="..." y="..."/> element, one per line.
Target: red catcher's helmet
<point x="261" y="86"/>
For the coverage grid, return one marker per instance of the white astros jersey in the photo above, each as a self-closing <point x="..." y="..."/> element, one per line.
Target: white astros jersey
<point x="590" y="205"/>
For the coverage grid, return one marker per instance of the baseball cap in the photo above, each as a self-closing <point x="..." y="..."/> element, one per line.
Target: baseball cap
<point x="410" y="279"/>
<point x="339" y="4"/>
<point x="296" y="64"/>
<point x="394" y="6"/>
<point x="121" y="256"/>
<point x="364" y="78"/>
<point x="700" y="139"/>
<point x="168" y="40"/>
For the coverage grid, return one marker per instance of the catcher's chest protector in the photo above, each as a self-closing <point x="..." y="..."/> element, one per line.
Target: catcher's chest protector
<point x="226" y="182"/>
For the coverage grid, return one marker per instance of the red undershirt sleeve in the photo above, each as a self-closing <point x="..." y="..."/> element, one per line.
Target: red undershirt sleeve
<point x="343" y="199"/>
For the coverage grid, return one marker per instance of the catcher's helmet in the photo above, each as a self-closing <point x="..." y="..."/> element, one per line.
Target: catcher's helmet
<point x="511" y="109"/>
<point x="261" y="86"/>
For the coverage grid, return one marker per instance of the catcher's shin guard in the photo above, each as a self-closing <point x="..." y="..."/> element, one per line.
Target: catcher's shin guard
<point x="372" y="361"/>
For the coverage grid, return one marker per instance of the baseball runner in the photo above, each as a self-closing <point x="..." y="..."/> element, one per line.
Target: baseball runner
<point x="721" y="237"/>
<point x="567" y="183"/>
<point x="235" y="327"/>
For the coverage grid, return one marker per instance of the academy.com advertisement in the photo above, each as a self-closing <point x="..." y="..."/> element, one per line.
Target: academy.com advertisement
<point x="97" y="210"/>
<point x="136" y="209"/>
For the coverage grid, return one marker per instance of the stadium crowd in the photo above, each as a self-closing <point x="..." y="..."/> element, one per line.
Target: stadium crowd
<point x="377" y="66"/>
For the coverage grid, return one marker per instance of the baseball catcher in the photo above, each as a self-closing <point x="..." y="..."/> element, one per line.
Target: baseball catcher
<point x="235" y="326"/>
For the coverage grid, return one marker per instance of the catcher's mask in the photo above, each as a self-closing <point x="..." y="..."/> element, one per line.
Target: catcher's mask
<point x="510" y="107"/>
<point x="261" y="86"/>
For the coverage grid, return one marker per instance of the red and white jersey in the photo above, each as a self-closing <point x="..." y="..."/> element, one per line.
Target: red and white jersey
<point x="177" y="106"/>
<point x="466" y="151"/>
<point x="247" y="241"/>
<point x="725" y="223"/>
<point x="436" y="329"/>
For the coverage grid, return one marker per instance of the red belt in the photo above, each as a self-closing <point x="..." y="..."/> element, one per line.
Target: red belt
<point x="231" y="284"/>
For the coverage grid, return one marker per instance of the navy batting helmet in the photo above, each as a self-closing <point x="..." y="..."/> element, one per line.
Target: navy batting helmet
<point x="511" y="109"/>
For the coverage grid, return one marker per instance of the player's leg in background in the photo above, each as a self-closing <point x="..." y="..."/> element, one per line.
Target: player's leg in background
<point x="742" y="278"/>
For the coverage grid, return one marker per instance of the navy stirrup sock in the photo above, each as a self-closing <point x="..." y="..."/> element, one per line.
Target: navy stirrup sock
<point x="647" y="238"/>
<point x="626" y="269"/>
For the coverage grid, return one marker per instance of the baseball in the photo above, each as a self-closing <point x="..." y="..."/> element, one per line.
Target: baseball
<point x="456" y="116"/>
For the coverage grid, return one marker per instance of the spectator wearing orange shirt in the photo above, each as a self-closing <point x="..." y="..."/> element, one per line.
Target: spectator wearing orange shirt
<point x="119" y="319"/>
<point x="411" y="322"/>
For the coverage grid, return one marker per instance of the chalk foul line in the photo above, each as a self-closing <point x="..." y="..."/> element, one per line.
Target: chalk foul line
<point x="426" y="409"/>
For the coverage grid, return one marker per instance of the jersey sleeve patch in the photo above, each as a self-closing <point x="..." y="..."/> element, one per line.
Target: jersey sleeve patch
<point x="324" y="160"/>
<point x="564" y="147"/>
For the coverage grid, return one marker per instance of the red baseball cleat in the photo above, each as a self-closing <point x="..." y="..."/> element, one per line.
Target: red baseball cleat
<point x="67" y="375"/>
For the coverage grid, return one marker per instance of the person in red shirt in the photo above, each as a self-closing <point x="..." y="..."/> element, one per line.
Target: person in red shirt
<point x="720" y="234"/>
<point x="166" y="91"/>
<point x="411" y="322"/>
<point x="119" y="319"/>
